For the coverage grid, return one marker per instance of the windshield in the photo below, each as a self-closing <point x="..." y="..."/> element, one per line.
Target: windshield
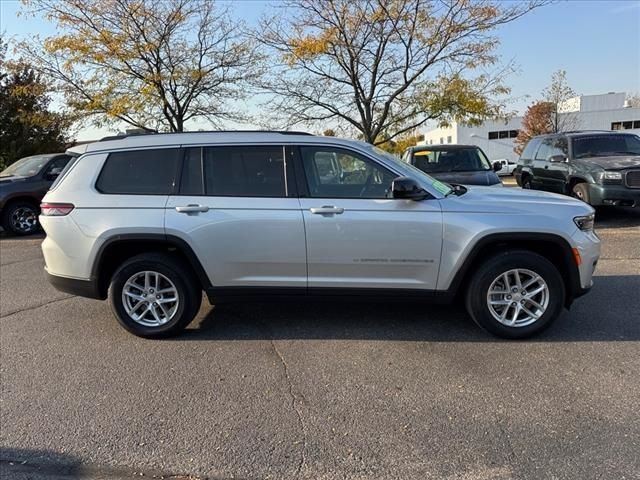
<point x="411" y="171"/>
<point x="454" y="160"/>
<point x="605" y="145"/>
<point x="25" y="167"/>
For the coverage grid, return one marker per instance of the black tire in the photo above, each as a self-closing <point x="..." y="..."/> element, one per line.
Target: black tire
<point x="189" y="294"/>
<point x="526" y="183"/>
<point x="478" y="289"/>
<point x="581" y="192"/>
<point x="21" y="218"/>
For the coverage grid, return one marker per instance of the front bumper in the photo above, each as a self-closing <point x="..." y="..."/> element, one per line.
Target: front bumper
<point x="614" y="195"/>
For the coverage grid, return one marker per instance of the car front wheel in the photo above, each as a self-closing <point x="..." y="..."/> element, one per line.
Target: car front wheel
<point x="515" y="294"/>
<point x="154" y="296"/>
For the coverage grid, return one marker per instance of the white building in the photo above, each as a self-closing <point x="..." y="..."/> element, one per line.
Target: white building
<point x="609" y="111"/>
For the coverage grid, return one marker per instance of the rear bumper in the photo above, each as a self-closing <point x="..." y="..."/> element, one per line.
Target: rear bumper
<point x="614" y="195"/>
<point x="75" y="286"/>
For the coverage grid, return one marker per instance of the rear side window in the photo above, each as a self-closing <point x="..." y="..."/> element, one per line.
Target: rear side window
<point x="139" y="172"/>
<point x="244" y="171"/>
<point x="530" y="149"/>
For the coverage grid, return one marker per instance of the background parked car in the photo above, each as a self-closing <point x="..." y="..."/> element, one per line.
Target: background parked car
<point x="22" y="186"/>
<point x="600" y="168"/>
<point x="462" y="164"/>
<point x="507" y="167"/>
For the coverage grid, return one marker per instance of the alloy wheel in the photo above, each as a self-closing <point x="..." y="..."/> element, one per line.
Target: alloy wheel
<point x="150" y="298"/>
<point x="24" y="219"/>
<point x="518" y="297"/>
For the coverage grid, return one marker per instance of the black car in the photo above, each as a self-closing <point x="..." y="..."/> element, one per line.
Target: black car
<point x="458" y="164"/>
<point x="598" y="167"/>
<point x="22" y="186"/>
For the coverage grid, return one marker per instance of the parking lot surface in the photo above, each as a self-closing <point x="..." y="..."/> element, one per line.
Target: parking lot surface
<point x="321" y="390"/>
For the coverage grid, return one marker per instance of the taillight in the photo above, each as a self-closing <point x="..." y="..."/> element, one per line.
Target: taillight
<point x="55" y="209"/>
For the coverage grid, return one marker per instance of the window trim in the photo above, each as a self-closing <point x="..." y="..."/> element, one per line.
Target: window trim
<point x="355" y="153"/>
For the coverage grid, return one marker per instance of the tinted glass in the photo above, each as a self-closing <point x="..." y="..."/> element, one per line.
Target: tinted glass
<point x="140" y="172"/>
<point x="244" y="171"/>
<point x="530" y="149"/>
<point x="455" y="160"/>
<point x="544" y="150"/>
<point x="58" y="164"/>
<point x="337" y="173"/>
<point x="605" y="145"/>
<point x="191" y="181"/>
<point x="559" y="146"/>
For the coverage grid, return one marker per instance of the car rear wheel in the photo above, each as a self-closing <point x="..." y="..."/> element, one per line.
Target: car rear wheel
<point x="526" y="183"/>
<point x="154" y="296"/>
<point x="581" y="192"/>
<point x="20" y="218"/>
<point x="515" y="294"/>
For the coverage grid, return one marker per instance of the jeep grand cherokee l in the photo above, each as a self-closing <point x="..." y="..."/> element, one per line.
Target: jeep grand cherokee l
<point x="599" y="168"/>
<point x="151" y="221"/>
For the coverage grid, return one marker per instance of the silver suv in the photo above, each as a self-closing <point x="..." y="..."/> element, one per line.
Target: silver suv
<point x="151" y="221"/>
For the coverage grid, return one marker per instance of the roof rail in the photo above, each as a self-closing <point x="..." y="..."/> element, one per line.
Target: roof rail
<point x="126" y="135"/>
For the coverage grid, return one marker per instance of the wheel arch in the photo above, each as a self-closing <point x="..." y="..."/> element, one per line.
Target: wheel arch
<point x="117" y="249"/>
<point x="553" y="247"/>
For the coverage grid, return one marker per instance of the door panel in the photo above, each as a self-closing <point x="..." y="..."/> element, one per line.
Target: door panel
<point x="243" y="241"/>
<point x="235" y="212"/>
<point x="374" y="243"/>
<point x="356" y="235"/>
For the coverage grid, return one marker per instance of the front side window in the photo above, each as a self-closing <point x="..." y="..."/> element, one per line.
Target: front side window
<point x="559" y="146"/>
<point x="544" y="150"/>
<point x="529" y="150"/>
<point x="336" y="173"/>
<point x="251" y="171"/>
<point x="139" y="172"/>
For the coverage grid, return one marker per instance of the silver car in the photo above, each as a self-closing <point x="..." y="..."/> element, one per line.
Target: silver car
<point x="151" y="221"/>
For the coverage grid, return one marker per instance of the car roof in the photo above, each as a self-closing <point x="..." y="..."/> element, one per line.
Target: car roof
<point x="450" y="146"/>
<point x="206" y="138"/>
<point x="582" y="133"/>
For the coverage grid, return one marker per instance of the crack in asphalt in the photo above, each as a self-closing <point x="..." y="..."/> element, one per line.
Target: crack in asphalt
<point x="34" y="307"/>
<point x="21" y="261"/>
<point x="294" y="403"/>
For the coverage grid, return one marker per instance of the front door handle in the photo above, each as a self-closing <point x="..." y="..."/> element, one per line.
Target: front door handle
<point x="327" y="210"/>
<point x="192" y="208"/>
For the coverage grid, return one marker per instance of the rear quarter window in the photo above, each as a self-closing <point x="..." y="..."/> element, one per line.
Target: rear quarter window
<point x="139" y="172"/>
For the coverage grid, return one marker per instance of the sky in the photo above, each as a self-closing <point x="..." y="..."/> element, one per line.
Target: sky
<point x="596" y="42"/>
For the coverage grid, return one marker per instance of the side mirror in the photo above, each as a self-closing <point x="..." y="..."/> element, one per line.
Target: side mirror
<point x="557" y="158"/>
<point x="407" y="188"/>
<point x="53" y="173"/>
<point x="497" y="166"/>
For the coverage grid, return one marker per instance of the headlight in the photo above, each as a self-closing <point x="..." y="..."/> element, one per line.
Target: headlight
<point x="585" y="223"/>
<point x="611" y="177"/>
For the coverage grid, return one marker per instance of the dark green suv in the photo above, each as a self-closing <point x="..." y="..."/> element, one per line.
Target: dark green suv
<point x="600" y="168"/>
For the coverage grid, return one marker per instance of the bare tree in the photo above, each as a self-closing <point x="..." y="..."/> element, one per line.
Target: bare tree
<point x="385" y="67"/>
<point x="557" y="94"/>
<point x="150" y="64"/>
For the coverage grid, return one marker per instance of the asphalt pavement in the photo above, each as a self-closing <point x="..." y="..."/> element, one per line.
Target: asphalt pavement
<point x="320" y="390"/>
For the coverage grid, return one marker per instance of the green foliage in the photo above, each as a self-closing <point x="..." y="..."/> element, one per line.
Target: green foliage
<point x="27" y="125"/>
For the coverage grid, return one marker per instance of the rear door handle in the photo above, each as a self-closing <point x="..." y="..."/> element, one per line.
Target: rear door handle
<point x="327" y="210"/>
<point x="192" y="208"/>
